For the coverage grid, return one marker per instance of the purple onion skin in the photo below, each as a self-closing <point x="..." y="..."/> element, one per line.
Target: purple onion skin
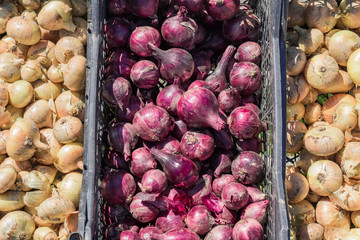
<point x="178" y="234"/>
<point x="118" y="187"/>
<point x="208" y="21"/>
<point x="197" y="145"/>
<point x="248" y="99"/>
<point x="202" y="64"/>
<point x="200" y="35"/>
<point x="219" y="183"/>
<point x="140" y="38"/>
<point x="199" y="219"/>
<point x="127" y="114"/>
<point x="179" y="170"/>
<point x="251" y="144"/>
<point x="235" y="196"/>
<point x="222" y="10"/>
<point x="220" y="161"/>
<point x="255" y="195"/>
<point x="170" y="145"/>
<point x="230" y="66"/>
<point x="199" y="83"/>
<point x="253" y="107"/>
<point x="221" y="232"/>
<point x="169" y="97"/>
<point x="192" y="5"/>
<point x="248" y="229"/>
<point x="113" y="231"/>
<point x="116" y="92"/>
<point x="245" y="123"/>
<point x="141" y="162"/>
<point x="245" y="77"/>
<point x="168" y="220"/>
<point x="201" y="188"/>
<point x="144" y="8"/>
<point x="117" y="32"/>
<point x="145" y="74"/>
<point x="153" y="181"/>
<point x="116" y="161"/>
<point x="148" y="232"/>
<point x="248" y="52"/>
<point x="153" y="123"/>
<point x="118" y="7"/>
<point x="179" y="130"/>
<point x="129" y="235"/>
<point x="174" y="63"/>
<point x="223" y="138"/>
<point x="116" y="213"/>
<point x="229" y="99"/>
<point x="119" y="63"/>
<point x="180" y="30"/>
<point x="122" y="137"/>
<point x="142" y="211"/>
<point x="192" y="106"/>
<point x="214" y="42"/>
<point x="226" y="217"/>
<point x="147" y="95"/>
<point x="248" y="168"/>
<point x="257" y="211"/>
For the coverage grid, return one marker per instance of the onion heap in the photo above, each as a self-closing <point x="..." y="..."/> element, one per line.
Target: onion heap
<point x="323" y="106"/>
<point x="184" y="126"/>
<point x="42" y="84"/>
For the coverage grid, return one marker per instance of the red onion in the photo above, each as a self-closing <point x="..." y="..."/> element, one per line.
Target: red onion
<point x="248" y="229"/>
<point x="255" y="195"/>
<point x="179" y="170"/>
<point x="169" y="97"/>
<point x="245" y="123"/>
<point x="253" y="107"/>
<point x="222" y="9"/>
<point x="153" y="181"/>
<point x="113" y="231"/>
<point x="144" y="8"/>
<point x="221" y="232"/>
<point x="248" y="52"/>
<point x="180" y="30"/>
<point x="246" y="77"/>
<point x="154" y="21"/>
<point x="116" y="213"/>
<point x="213" y="203"/>
<point x="174" y="63"/>
<point x="130" y="234"/>
<point x="230" y="66"/>
<point x="226" y="216"/>
<point x="248" y="99"/>
<point x="148" y="95"/>
<point x="221" y="161"/>
<point x="153" y="123"/>
<point x="214" y="42"/>
<point x="199" y="220"/>
<point x="168" y="220"/>
<point x="118" y="7"/>
<point x="118" y="187"/>
<point x="117" y="32"/>
<point x="197" y="145"/>
<point x="201" y="188"/>
<point x="217" y="80"/>
<point x="116" y="92"/>
<point x="115" y="160"/>
<point x="178" y="234"/>
<point x="229" y="99"/>
<point x="140" y="38"/>
<point x="145" y="74"/>
<point x="148" y="232"/>
<point x="179" y="130"/>
<point x="179" y="201"/>
<point x="192" y="106"/>
<point x="122" y="137"/>
<point x="235" y="196"/>
<point x="200" y="35"/>
<point x="127" y="114"/>
<point x="192" y="5"/>
<point x="142" y="211"/>
<point x="257" y="211"/>
<point x="251" y="144"/>
<point x="202" y="64"/>
<point x="248" y="168"/>
<point x="208" y="21"/>
<point x="223" y="138"/>
<point x="170" y="145"/>
<point x="141" y="162"/>
<point x="219" y="183"/>
<point x="199" y="83"/>
<point x="119" y="63"/>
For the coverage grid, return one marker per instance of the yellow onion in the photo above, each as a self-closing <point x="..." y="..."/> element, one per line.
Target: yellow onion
<point x="16" y="113"/>
<point x="295" y="111"/>
<point x="24" y="30"/>
<point x="20" y="183"/>
<point x="2" y="157"/>
<point x="310" y="40"/>
<point x="49" y="35"/>
<point x="79" y="7"/>
<point x="68" y="129"/>
<point x="10" y="67"/>
<point x="37" y="180"/>
<point x="44" y="233"/>
<point x="30" y="4"/>
<point x="328" y="214"/>
<point x="296" y="13"/>
<point x="9" y="45"/>
<point x="347" y="196"/>
<point x="325" y="177"/>
<point x="20" y="93"/>
<point x="321" y="71"/>
<point x="67" y="47"/>
<point x="295" y="131"/>
<point x="7" y="178"/>
<point x="69" y="157"/>
<point x="3" y="136"/>
<point x="355" y="218"/>
<point x="292" y="37"/>
<point x="329" y="35"/>
<point x="295" y="61"/>
<point x="80" y="32"/>
<point x="335" y="233"/>
<point x="296" y="89"/>
<point x="7" y="11"/>
<point x="55" y="209"/>
<point x="70" y="103"/>
<point x="70" y="187"/>
<point x="23" y="139"/>
<point x="17" y="225"/>
<point x="351" y="235"/>
<point x="311" y="97"/>
<point x="312" y="113"/>
<point x="331" y="104"/>
<point x="46" y="90"/>
<point x="48" y="171"/>
<point x="5" y="116"/>
<point x="324" y="140"/>
<point x="349" y="160"/>
<point x="342" y="44"/>
<point x="40" y="113"/>
<point x="11" y="200"/>
<point x="40" y="52"/>
<point x="47" y="157"/>
<point x="4" y="95"/>
<point x="310" y="231"/>
<point x="312" y="197"/>
<point x="305" y="160"/>
<point x="55" y="74"/>
<point x="18" y="166"/>
<point x="350" y="13"/>
<point x="322" y="14"/>
<point x="64" y="233"/>
<point x="35" y="197"/>
<point x="343" y="83"/>
<point x="353" y="67"/>
<point x="301" y="213"/>
<point x="297" y="187"/>
<point x="31" y="71"/>
<point x="345" y="117"/>
<point x="75" y="73"/>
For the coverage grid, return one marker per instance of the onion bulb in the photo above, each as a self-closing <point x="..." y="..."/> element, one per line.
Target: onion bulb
<point x="20" y="93"/>
<point x="323" y="139"/>
<point x="11" y="200"/>
<point x="79" y="7"/>
<point x="7" y="178"/>
<point x="331" y="104"/>
<point x="301" y="213"/>
<point x="322" y="14"/>
<point x="3" y="136"/>
<point x="311" y="97"/>
<point x="9" y="45"/>
<point x="55" y="74"/>
<point x="10" y="67"/>
<point x="350" y="13"/>
<point x="312" y="113"/>
<point x="353" y="67"/>
<point x="52" y="36"/>
<point x="17" y="225"/>
<point x="347" y="197"/>
<point x="67" y="47"/>
<point x="295" y="131"/>
<point x="80" y="31"/>
<point x="5" y="116"/>
<point x="343" y="83"/>
<point x="70" y="187"/>
<point x="349" y="160"/>
<point x="74" y="73"/>
<point x="56" y="15"/>
<point x="15" y="113"/>
<point x="330" y="215"/>
<point x="46" y="90"/>
<point x="48" y="171"/>
<point x="310" y="231"/>
<point x="17" y="165"/>
<point x="68" y="129"/>
<point x="69" y="157"/>
<point x="4" y="95"/>
<point x="31" y="71"/>
<point x="305" y="160"/>
<point x="342" y="44"/>
<point x="70" y="103"/>
<point x="40" y="51"/>
<point x="296" y="13"/>
<point x="355" y="218"/>
<point x="310" y="40"/>
<point x="40" y="113"/>
<point x="345" y="117"/>
<point x="44" y="233"/>
<point x="8" y="9"/>
<point x="297" y="187"/>
<point x="312" y="197"/>
<point x="30" y="4"/>
<point x="329" y="35"/>
<point x="295" y="61"/>
<point x="295" y="111"/>
<point x="24" y="30"/>
<point x="296" y="89"/>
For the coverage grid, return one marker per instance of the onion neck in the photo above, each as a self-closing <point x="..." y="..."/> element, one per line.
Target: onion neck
<point x="182" y="14"/>
<point x="156" y="52"/>
<point x="222" y="65"/>
<point x="302" y="32"/>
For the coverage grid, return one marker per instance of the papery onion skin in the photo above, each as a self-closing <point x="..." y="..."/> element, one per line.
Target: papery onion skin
<point x="24" y="31"/>
<point x="170" y="144"/>
<point x="69" y="157"/>
<point x="246" y="77"/>
<point x="142" y="211"/>
<point x="67" y="47"/>
<point x="234" y="196"/>
<point x="332" y="103"/>
<point x="347" y="197"/>
<point x="169" y="97"/>
<point x="70" y="187"/>
<point x="153" y="181"/>
<point x="297" y="88"/>
<point x="70" y="103"/>
<point x="168" y="221"/>
<point x="40" y="113"/>
<point x="145" y="74"/>
<point x="222" y="10"/>
<point x="248" y="52"/>
<point x="75" y="73"/>
<point x="220" y="232"/>
<point x="248" y="167"/>
<point x="199" y="219"/>
<point x="312" y="113"/>
<point x="248" y="229"/>
<point x="352" y="68"/>
<point x="140" y="38"/>
<point x="141" y="162"/>
<point x="301" y="213"/>
<point x="297" y="187"/>
<point x="257" y="211"/>
<point x="197" y="146"/>
<point x="122" y="137"/>
<point x="328" y="214"/>
<point x="342" y="44"/>
<point x="68" y="129"/>
<point x="17" y="225"/>
<point x="220" y="182"/>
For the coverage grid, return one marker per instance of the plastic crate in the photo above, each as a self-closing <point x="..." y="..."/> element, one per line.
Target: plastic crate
<point x="272" y="106"/>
